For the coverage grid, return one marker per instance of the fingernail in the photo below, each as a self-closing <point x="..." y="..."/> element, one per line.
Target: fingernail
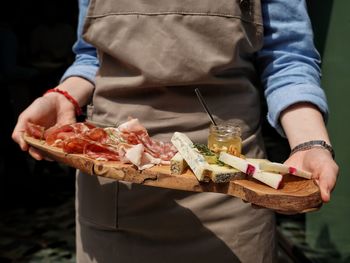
<point x="327" y="196"/>
<point x="22" y="146"/>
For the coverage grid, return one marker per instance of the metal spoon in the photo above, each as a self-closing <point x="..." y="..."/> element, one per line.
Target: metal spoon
<point x="199" y="95"/>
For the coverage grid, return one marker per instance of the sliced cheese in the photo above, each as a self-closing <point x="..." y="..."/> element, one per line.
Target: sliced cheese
<point x="283" y="169"/>
<point x="178" y="164"/>
<point x="220" y="173"/>
<point x="239" y="163"/>
<point x="252" y="169"/>
<point x="271" y="179"/>
<point x="194" y="159"/>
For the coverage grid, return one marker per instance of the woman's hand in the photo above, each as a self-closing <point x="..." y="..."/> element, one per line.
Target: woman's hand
<point x="53" y="109"/>
<point x="47" y="111"/>
<point x="303" y="122"/>
<point x="320" y="163"/>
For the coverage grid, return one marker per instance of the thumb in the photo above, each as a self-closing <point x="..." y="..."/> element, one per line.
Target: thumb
<point x="325" y="193"/>
<point x="324" y="185"/>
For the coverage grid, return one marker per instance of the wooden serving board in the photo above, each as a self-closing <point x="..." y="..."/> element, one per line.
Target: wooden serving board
<point x="297" y="195"/>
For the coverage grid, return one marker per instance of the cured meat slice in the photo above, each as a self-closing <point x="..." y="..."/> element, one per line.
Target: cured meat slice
<point x="132" y="126"/>
<point x="129" y="143"/>
<point x="91" y="148"/>
<point x="97" y="135"/>
<point x="134" y="154"/>
<point x="66" y="131"/>
<point x="75" y="145"/>
<point x="35" y="131"/>
<point x="137" y="155"/>
<point x="101" y="152"/>
<point x="134" y="133"/>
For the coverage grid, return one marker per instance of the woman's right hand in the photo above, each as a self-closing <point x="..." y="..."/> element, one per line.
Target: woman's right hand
<point x="47" y="111"/>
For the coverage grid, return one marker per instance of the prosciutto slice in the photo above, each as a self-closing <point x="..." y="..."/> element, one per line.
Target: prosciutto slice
<point x="134" y="133"/>
<point x="128" y="143"/>
<point x="35" y="131"/>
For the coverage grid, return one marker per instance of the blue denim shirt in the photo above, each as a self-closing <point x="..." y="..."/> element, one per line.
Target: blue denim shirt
<point x="288" y="61"/>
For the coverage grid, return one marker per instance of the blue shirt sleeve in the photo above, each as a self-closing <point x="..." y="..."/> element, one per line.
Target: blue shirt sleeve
<point x="86" y="62"/>
<point x="289" y="61"/>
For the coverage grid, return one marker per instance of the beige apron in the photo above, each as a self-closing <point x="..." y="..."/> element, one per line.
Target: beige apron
<point x="152" y="55"/>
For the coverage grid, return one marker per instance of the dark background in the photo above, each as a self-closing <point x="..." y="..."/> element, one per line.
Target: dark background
<point x="36" y="38"/>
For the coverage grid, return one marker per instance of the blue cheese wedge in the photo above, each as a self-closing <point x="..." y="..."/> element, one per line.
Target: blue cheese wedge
<point x="193" y="158"/>
<point x="178" y="164"/>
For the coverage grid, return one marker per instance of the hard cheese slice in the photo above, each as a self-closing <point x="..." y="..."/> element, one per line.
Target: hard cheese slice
<point x="283" y="169"/>
<point x="271" y="179"/>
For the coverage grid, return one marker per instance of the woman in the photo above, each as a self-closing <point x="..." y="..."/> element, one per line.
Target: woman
<point x="151" y="57"/>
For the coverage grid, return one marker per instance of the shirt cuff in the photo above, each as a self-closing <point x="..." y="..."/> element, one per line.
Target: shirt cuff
<point x="287" y="96"/>
<point x="86" y="72"/>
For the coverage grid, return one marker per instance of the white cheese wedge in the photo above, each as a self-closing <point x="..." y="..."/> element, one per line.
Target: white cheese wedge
<point x="271" y="179"/>
<point x="239" y="163"/>
<point x="194" y="159"/>
<point x="283" y="169"/>
<point x="178" y="164"/>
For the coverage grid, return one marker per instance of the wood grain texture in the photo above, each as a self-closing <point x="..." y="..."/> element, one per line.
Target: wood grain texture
<point x="297" y="195"/>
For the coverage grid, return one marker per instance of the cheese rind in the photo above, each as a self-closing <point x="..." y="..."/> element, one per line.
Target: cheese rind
<point x="224" y="174"/>
<point x="194" y="159"/>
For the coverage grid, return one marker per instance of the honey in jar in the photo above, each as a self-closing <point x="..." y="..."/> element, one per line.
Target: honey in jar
<point x="225" y="137"/>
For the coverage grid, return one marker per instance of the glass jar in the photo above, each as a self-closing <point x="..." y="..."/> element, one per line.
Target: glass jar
<point x="225" y="137"/>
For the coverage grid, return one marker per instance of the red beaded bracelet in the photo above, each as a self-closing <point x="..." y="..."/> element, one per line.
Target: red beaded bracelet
<point x="77" y="108"/>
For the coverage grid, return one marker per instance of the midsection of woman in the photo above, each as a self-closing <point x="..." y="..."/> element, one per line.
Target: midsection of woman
<point x="152" y="55"/>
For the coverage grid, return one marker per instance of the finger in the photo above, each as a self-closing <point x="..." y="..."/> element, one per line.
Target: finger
<point x="326" y="183"/>
<point x="38" y="155"/>
<point x="325" y="195"/>
<point x="325" y="190"/>
<point x="35" y="154"/>
<point x="21" y="142"/>
<point x="17" y="136"/>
